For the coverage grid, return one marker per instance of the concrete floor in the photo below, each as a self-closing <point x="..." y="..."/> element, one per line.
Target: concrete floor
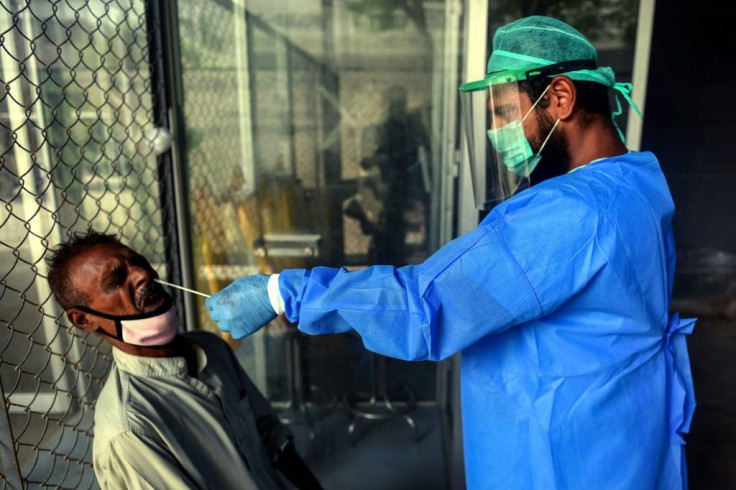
<point x="384" y="454"/>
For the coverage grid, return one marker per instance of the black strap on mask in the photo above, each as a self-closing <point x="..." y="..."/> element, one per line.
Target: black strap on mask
<point x="119" y="319"/>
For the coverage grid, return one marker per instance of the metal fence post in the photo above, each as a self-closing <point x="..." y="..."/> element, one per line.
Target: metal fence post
<point x="166" y="93"/>
<point x="9" y="469"/>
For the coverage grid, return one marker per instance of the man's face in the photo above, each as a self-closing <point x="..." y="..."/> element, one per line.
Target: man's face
<point x="117" y="280"/>
<point x="510" y="105"/>
<point x="506" y="104"/>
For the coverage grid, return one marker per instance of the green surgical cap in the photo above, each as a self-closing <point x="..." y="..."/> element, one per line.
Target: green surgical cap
<point x="539" y="41"/>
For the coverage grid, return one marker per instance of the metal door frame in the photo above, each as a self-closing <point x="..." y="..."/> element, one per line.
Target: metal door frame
<point x="162" y="22"/>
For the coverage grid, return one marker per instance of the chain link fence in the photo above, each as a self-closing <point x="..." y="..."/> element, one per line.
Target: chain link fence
<point x="77" y="134"/>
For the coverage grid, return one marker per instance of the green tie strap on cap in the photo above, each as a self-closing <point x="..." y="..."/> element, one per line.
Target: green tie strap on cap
<point x="625" y="90"/>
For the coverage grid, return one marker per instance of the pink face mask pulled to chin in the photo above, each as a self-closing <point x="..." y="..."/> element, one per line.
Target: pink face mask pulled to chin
<point x="153" y="329"/>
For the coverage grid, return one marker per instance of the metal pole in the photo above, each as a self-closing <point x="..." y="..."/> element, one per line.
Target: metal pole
<point x="640" y="73"/>
<point x="242" y="53"/>
<point x="475" y="57"/>
<point x="9" y="468"/>
<point x="162" y="19"/>
<point x="474" y="62"/>
<point x="448" y="142"/>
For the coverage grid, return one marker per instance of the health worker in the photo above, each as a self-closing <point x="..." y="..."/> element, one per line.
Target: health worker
<point x="573" y="372"/>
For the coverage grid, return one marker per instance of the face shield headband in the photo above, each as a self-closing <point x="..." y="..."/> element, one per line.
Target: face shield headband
<point x="519" y="75"/>
<point x="155" y="328"/>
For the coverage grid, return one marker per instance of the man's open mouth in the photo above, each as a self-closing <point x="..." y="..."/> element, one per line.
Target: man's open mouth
<point x="150" y="297"/>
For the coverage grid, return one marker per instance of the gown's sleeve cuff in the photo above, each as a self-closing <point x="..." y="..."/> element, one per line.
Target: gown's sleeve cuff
<point x="274" y="296"/>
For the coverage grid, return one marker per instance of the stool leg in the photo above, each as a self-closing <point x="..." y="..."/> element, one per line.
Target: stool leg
<point x="297" y="408"/>
<point x="379" y="405"/>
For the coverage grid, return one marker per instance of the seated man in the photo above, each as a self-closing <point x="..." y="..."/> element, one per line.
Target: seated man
<point x="177" y="410"/>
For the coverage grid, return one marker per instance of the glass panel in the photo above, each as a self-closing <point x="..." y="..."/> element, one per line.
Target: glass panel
<point x="313" y="135"/>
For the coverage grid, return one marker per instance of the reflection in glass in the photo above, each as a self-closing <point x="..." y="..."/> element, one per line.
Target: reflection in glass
<point x="311" y="132"/>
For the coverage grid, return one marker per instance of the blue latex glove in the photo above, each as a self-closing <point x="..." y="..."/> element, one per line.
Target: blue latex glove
<point x="243" y="306"/>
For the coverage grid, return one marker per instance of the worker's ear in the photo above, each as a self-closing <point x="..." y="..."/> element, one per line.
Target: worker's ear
<point x="81" y="320"/>
<point x="563" y="94"/>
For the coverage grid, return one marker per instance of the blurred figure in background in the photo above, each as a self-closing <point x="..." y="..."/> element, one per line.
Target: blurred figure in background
<point x="396" y="182"/>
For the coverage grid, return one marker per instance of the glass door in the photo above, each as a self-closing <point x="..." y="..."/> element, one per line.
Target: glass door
<point x="317" y="133"/>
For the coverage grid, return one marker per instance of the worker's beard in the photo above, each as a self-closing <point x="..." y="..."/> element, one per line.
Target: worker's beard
<point x="555" y="158"/>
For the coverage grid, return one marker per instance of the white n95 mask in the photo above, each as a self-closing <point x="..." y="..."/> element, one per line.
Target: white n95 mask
<point x="156" y="328"/>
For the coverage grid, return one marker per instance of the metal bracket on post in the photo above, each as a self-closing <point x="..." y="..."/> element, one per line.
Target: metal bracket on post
<point x="288" y="245"/>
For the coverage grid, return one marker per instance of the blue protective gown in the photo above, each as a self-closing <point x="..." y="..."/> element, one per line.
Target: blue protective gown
<point x="574" y="374"/>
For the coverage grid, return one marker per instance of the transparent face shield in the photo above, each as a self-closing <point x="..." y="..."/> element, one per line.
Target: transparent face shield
<point x="501" y="158"/>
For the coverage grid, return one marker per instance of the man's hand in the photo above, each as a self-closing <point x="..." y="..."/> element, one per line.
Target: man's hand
<point x="243" y="306"/>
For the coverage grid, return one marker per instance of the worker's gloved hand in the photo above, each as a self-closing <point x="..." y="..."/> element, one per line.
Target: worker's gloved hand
<point x="243" y="306"/>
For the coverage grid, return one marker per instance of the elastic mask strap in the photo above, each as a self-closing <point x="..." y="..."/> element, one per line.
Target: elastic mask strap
<point x="553" y="127"/>
<point x="118" y="331"/>
<point x="625" y="90"/>
<point x="116" y="319"/>
<point x="535" y="104"/>
<point x="548" y="136"/>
